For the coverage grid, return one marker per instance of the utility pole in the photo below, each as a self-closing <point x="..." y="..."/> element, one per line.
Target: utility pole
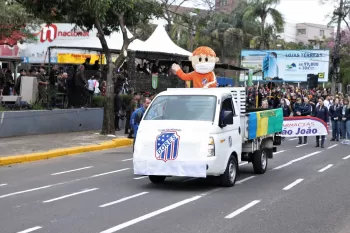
<point x="336" y="57"/>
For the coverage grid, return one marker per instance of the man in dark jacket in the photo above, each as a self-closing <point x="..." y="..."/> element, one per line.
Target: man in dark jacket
<point x="18" y="82"/>
<point x="117" y="108"/>
<point x="335" y="112"/>
<point x="321" y="113"/>
<point x="297" y="111"/>
<point x="306" y="110"/>
<point x="80" y="86"/>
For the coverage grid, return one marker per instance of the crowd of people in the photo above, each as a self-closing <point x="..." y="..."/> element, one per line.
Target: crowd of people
<point x="297" y="102"/>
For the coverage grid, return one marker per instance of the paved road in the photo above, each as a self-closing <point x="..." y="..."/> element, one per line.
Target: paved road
<point x="306" y="190"/>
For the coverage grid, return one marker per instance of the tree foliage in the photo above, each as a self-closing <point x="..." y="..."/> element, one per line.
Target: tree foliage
<point x="106" y="16"/>
<point x="344" y="56"/>
<point x="16" y="23"/>
<point x="261" y="9"/>
<point x="229" y="33"/>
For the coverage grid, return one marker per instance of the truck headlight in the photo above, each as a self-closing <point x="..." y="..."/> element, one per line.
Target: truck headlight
<point x="211" y="147"/>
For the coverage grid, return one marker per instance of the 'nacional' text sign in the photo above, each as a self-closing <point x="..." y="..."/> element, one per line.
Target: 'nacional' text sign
<point x="303" y="126"/>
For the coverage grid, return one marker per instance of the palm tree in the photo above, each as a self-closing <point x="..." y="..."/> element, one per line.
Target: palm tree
<point x="225" y="36"/>
<point x="261" y="9"/>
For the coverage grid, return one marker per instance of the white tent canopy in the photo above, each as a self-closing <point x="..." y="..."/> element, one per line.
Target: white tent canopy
<point x="60" y="35"/>
<point x="160" y="42"/>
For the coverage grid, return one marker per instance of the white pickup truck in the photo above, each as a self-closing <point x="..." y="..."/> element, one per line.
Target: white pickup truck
<point x="193" y="132"/>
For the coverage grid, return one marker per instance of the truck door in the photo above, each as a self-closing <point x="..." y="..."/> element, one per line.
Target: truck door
<point x="230" y="138"/>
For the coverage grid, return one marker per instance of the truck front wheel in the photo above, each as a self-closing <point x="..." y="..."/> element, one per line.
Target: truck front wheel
<point x="228" y="179"/>
<point x="157" y="179"/>
<point x="260" y="161"/>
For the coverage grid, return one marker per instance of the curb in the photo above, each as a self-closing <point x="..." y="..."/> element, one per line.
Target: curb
<point x="115" y="143"/>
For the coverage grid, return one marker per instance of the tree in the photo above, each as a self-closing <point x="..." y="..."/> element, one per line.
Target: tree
<point x="171" y="7"/>
<point x="15" y="23"/>
<point x="222" y="29"/>
<point x="344" y="53"/>
<point x="261" y="9"/>
<point x="106" y="16"/>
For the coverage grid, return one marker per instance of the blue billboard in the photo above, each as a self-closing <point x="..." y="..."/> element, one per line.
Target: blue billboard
<point x="286" y="65"/>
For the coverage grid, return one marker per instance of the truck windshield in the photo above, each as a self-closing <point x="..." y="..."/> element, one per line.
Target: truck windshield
<point x="182" y="107"/>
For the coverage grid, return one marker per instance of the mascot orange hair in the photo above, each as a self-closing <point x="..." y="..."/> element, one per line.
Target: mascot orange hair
<point x="203" y="62"/>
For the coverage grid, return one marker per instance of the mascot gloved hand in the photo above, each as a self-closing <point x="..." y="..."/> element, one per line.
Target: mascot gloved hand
<point x="203" y="62"/>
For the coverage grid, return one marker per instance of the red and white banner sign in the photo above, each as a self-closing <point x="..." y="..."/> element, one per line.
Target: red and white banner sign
<point x="304" y="126"/>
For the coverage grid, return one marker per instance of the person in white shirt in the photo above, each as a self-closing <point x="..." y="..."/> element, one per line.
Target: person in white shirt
<point x="91" y="88"/>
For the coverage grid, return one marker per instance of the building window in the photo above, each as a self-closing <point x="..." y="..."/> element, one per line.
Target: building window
<point x="301" y="31"/>
<point x="321" y="32"/>
<point x="223" y="2"/>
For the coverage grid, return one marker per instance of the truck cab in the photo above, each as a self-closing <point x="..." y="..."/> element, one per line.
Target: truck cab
<point x="198" y="133"/>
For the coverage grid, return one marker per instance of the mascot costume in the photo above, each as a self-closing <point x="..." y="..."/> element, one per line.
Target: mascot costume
<point x="203" y="62"/>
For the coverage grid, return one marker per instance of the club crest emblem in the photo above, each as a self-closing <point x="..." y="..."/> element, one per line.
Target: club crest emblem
<point x="167" y="146"/>
<point x="204" y="81"/>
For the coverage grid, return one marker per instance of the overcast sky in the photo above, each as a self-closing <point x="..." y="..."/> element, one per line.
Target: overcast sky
<point x="299" y="11"/>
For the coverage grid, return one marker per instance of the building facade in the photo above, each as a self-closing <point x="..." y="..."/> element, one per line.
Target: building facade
<point x="309" y="33"/>
<point x="306" y="33"/>
<point x="225" y="6"/>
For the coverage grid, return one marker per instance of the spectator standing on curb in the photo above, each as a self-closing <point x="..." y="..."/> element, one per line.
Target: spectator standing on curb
<point x="42" y="85"/>
<point x="137" y="115"/>
<point x="306" y="110"/>
<point x="18" y="82"/>
<point x="335" y="112"/>
<point x="346" y="119"/>
<point x="117" y="108"/>
<point x="80" y="86"/>
<point x="53" y="81"/>
<point x="321" y="113"/>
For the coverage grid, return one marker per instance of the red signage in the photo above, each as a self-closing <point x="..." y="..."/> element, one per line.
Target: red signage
<point x="50" y="33"/>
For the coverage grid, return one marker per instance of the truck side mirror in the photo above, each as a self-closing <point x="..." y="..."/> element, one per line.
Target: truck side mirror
<point x="226" y="119"/>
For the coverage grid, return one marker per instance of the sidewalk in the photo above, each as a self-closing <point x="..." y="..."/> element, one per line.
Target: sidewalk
<point x="42" y="143"/>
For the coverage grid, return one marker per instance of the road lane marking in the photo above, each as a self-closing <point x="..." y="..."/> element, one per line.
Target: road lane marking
<point x="296" y="160"/>
<point x="64" y="172"/>
<point x="127" y="160"/>
<point x="244" y="163"/>
<point x="293" y="139"/>
<point x="245" y="179"/>
<point x="241" y="210"/>
<point x="325" y="168"/>
<point x="279" y="152"/>
<point x="301" y="145"/>
<point x="107" y="173"/>
<point x="332" y="146"/>
<point x="62" y="183"/>
<point x="3" y="185"/>
<point x="141" y="177"/>
<point x="347" y="157"/>
<point x="70" y="195"/>
<point x="30" y="229"/>
<point x="292" y="184"/>
<point x="26" y="191"/>
<point x="150" y="215"/>
<point x="123" y="199"/>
